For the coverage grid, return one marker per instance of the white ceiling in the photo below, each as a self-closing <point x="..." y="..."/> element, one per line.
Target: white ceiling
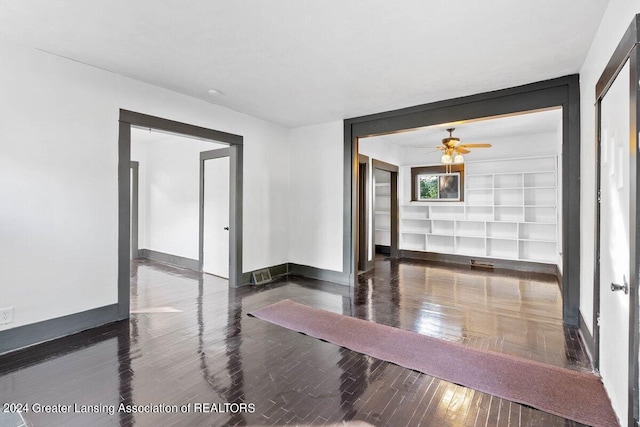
<point x="300" y="62"/>
<point x="474" y="131"/>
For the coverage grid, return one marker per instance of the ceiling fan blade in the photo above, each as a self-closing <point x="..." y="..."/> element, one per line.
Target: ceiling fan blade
<point x="463" y="151"/>
<point x="474" y="146"/>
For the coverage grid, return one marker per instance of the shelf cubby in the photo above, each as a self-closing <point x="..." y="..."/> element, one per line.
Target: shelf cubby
<point x="447" y="212"/>
<point x="479" y="197"/>
<point x="470" y="246"/>
<point x="442" y="227"/>
<point x="540" y="214"/>
<point x="479" y="182"/>
<point x="508" y="197"/>
<point x="470" y="228"/>
<point x="543" y="232"/>
<point x="414" y="242"/>
<point x="437" y="243"/>
<point x="505" y="230"/>
<point x="538" y="251"/>
<point x="508" y="180"/>
<point x="502" y="248"/>
<point x="509" y="212"/>
<point x="540" y="196"/>
<point x="539" y="179"/>
<point x="480" y="213"/>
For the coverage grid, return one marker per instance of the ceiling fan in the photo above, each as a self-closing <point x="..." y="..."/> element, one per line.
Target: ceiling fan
<point x="452" y="150"/>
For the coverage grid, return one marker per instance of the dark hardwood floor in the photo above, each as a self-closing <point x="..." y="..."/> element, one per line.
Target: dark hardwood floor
<point x="189" y="341"/>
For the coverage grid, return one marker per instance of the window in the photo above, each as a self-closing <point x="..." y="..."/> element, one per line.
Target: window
<point x="433" y="184"/>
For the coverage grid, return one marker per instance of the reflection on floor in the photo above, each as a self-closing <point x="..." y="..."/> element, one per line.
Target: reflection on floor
<point x="190" y="353"/>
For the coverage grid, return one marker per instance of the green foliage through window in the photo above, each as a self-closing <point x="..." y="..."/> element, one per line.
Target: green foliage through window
<point x="428" y="187"/>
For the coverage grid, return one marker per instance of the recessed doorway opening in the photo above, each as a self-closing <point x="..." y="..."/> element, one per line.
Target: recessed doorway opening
<point x="170" y="197"/>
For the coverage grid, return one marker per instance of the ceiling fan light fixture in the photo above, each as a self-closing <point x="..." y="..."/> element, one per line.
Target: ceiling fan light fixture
<point x="446" y="159"/>
<point x="458" y="159"/>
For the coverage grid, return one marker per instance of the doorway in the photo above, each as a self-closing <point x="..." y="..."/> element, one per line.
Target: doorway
<point x="214" y="215"/>
<point x="385" y="222"/>
<point x="363" y="214"/>
<point x="561" y="92"/>
<point x="617" y="228"/>
<point x="129" y="119"/>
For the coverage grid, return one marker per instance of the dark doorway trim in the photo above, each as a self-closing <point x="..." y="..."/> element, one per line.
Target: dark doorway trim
<point x="135" y="193"/>
<point x="208" y="155"/>
<point x="627" y="50"/>
<point x="395" y="229"/>
<point x="563" y="91"/>
<point x="364" y="264"/>
<point x="126" y="121"/>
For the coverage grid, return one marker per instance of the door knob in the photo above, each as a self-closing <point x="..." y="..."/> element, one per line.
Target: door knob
<point x="616" y="287"/>
<point x="226" y="228"/>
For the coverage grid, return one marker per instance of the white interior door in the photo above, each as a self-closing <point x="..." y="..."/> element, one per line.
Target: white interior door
<point x="614" y="242"/>
<point x="216" y="217"/>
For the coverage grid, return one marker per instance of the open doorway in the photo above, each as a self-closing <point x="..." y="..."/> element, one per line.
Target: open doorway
<point x="208" y="137"/>
<point x="498" y="206"/>
<point x="561" y="92"/>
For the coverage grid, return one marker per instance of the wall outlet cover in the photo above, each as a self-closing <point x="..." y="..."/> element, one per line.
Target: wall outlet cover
<point x="6" y="315"/>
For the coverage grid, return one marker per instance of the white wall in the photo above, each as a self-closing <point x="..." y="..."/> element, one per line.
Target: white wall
<point x="616" y="20"/>
<point x="169" y="191"/>
<point x="59" y="186"/>
<point x="316" y="192"/>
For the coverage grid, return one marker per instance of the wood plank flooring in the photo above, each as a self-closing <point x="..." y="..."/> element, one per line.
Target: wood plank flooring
<point x="189" y="342"/>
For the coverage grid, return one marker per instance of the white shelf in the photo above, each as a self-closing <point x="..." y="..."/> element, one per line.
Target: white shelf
<point x="382" y="208"/>
<point x="510" y="214"/>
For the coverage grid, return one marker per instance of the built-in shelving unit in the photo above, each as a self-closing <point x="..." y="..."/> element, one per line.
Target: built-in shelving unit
<point x="509" y="212"/>
<point x="382" y="206"/>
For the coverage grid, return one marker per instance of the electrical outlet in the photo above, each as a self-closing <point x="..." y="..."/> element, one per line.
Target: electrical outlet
<point x="6" y="315"/>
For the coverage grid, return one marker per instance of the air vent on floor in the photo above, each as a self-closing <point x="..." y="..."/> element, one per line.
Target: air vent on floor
<point x="260" y="277"/>
<point x="481" y="264"/>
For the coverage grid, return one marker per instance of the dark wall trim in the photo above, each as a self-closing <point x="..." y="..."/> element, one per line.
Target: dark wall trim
<point x="383" y="249"/>
<point x="587" y="338"/>
<point x="135" y="192"/>
<point x="364" y="213"/>
<point x="465" y="260"/>
<point x="36" y="333"/>
<point x="629" y="41"/>
<point x="191" y="264"/>
<point x="563" y="92"/>
<point x="319" y="273"/>
<point x="126" y="121"/>
<point x="289" y="269"/>
<point x="178" y="128"/>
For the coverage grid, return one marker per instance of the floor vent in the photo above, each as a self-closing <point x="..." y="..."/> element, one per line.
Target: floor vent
<point x="260" y="277"/>
<point x="481" y="264"/>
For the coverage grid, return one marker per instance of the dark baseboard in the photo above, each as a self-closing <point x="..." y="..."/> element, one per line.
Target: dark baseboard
<point x="36" y="333"/>
<point x="191" y="264"/>
<point x="559" y="276"/>
<point x="319" y="273"/>
<point x="281" y="270"/>
<point x="275" y="270"/>
<point x="587" y="338"/>
<point x="526" y="266"/>
<point x="383" y="249"/>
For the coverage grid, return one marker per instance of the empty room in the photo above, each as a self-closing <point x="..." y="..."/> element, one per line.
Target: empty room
<point x="319" y="213"/>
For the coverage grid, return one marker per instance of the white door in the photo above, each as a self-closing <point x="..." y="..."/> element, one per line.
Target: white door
<point x="614" y="243"/>
<point x="216" y="217"/>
